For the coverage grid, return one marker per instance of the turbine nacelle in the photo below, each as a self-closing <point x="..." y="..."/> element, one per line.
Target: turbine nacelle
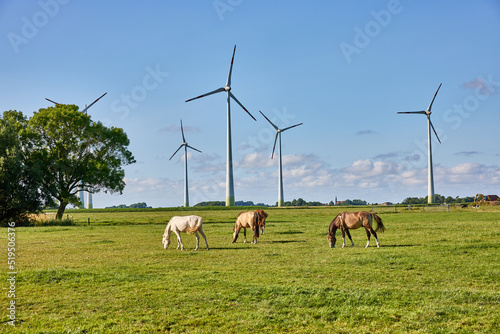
<point x="227" y="88"/>
<point x="278" y="132"/>
<point x="184" y="144"/>
<point x="427" y="113"/>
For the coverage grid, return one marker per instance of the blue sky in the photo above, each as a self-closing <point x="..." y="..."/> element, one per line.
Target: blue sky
<point x="342" y="68"/>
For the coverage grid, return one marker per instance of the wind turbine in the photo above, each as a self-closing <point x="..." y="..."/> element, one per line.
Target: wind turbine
<point x="280" y="170"/>
<point x="430" y="176"/>
<point x="89" y="195"/>
<point x="185" y="144"/>
<point x="229" y="164"/>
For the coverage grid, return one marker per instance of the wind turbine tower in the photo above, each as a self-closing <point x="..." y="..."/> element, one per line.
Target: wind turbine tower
<point x="280" y="169"/>
<point x="229" y="163"/>
<point x="185" y="144"/>
<point x="430" y="175"/>
<point x="82" y="193"/>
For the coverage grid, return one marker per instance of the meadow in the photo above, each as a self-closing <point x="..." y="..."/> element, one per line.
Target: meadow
<point x="435" y="272"/>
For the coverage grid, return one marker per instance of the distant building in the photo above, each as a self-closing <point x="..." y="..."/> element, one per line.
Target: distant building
<point x="387" y="203"/>
<point x="492" y="198"/>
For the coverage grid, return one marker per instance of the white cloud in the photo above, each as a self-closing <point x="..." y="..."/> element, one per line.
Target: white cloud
<point x="307" y="176"/>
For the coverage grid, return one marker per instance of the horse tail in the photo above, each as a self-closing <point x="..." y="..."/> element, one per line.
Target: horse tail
<point x="380" y="225"/>
<point x="256" y="224"/>
<point x="199" y="222"/>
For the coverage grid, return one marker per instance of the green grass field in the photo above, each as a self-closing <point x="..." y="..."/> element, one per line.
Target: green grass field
<point x="436" y="272"/>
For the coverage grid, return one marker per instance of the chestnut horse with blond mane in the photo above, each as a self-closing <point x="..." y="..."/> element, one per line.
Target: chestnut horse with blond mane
<point x="352" y="220"/>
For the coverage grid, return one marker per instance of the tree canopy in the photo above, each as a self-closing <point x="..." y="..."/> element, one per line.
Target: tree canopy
<point x="20" y="177"/>
<point x="74" y="152"/>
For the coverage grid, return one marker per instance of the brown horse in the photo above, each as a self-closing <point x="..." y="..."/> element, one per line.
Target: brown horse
<point x="244" y="220"/>
<point x="262" y="219"/>
<point x="352" y="220"/>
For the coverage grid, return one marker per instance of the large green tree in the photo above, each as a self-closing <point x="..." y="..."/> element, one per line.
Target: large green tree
<point x="20" y="177"/>
<point x="76" y="152"/>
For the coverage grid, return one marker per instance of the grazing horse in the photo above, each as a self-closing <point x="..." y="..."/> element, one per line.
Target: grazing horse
<point x="244" y="220"/>
<point x="262" y="220"/>
<point x="188" y="224"/>
<point x="352" y="220"/>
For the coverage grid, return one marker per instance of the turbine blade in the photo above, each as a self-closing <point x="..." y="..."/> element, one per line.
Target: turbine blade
<point x="175" y="152"/>
<point x="228" y="83"/>
<point x="234" y="98"/>
<point x="182" y="131"/>
<point x="430" y="105"/>
<point x="274" y="146"/>
<point x="191" y="147"/>
<point x="209" y="93"/>
<point x="411" y="112"/>
<point x="90" y="105"/>
<point x="432" y="126"/>
<point x="274" y="126"/>
<point x="291" y="127"/>
<point x="52" y="101"/>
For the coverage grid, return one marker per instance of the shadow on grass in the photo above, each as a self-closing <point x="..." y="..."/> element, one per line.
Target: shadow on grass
<point x="290" y="232"/>
<point x="230" y="248"/>
<point x="397" y="246"/>
<point x="283" y="241"/>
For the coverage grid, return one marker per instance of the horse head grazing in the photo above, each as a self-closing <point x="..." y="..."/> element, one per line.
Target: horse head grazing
<point x="166" y="238"/>
<point x="262" y="219"/>
<point x="334" y="225"/>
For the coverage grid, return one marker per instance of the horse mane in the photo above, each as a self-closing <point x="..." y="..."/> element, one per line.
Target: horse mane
<point x="256" y="224"/>
<point x="334" y="224"/>
<point x="168" y="230"/>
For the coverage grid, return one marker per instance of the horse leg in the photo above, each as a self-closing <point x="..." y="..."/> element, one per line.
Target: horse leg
<point x="368" y="236"/>
<point x="255" y="229"/>
<point x="372" y="231"/>
<point x="343" y="237"/>
<point x="203" y="235"/>
<point x="179" y="240"/>
<point x="349" y="235"/>
<point x="197" y="240"/>
<point x="245" y="234"/>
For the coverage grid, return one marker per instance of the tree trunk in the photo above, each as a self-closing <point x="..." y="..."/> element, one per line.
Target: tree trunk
<point x="60" y="210"/>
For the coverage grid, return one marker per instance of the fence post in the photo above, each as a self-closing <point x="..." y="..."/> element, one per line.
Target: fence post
<point x="88" y="221"/>
<point x="395" y="208"/>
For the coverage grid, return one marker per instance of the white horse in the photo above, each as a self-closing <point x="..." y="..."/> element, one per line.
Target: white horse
<point x="188" y="224"/>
